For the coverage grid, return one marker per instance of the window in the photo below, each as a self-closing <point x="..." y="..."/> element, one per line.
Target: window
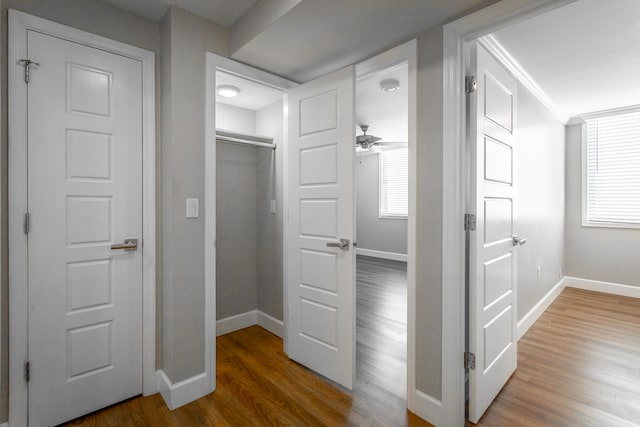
<point x="394" y="183"/>
<point x="611" y="195"/>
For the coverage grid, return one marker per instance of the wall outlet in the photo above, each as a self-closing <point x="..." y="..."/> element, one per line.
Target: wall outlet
<point x="539" y="272"/>
<point x="192" y="208"/>
<point x="273" y="206"/>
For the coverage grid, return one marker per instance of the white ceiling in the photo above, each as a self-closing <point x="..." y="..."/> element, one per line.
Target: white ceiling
<point x="222" y="12"/>
<point x="585" y="56"/>
<point x="314" y="37"/>
<point x="252" y="96"/>
<point x="387" y="114"/>
<point x="320" y="36"/>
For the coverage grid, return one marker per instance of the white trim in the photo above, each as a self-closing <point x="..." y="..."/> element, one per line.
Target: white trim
<point x="580" y="118"/>
<point x="381" y="254"/>
<point x="236" y="322"/>
<point x="600" y="286"/>
<point x="428" y="408"/>
<point x="210" y="254"/>
<point x="271" y="324"/>
<point x="250" y="318"/>
<point x="455" y="34"/>
<point x="405" y="53"/>
<point x="19" y="24"/>
<point x="183" y="392"/>
<point x="509" y="62"/>
<point x="534" y="314"/>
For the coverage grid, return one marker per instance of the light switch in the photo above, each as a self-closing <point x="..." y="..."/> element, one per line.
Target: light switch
<point x="192" y="208"/>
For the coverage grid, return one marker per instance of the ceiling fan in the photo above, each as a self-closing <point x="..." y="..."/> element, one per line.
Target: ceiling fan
<point x="368" y="142"/>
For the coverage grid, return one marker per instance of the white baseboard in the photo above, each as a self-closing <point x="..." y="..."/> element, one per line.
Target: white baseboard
<point x="183" y="392"/>
<point x="606" y="287"/>
<point x="530" y="318"/>
<point x="427" y="408"/>
<point x="382" y="254"/>
<point x="250" y="318"/>
<point x="271" y="324"/>
<point x="237" y="322"/>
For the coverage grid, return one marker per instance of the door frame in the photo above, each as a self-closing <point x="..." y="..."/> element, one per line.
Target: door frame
<point x="19" y="24"/>
<point x="454" y="187"/>
<point x="214" y="63"/>
<point x="406" y="53"/>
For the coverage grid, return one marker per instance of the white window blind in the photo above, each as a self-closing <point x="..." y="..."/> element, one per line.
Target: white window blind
<point x="394" y="183"/>
<point x="613" y="170"/>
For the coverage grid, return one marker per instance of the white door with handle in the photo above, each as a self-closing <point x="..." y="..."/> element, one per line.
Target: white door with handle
<point x="85" y="204"/>
<point x="320" y="258"/>
<point x="493" y="244"/>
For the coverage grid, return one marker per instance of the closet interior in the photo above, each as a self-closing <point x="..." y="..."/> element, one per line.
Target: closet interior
<point x="249" y="134"/>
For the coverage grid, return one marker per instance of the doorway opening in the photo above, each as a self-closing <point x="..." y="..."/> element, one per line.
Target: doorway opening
<point x="249" y="121"/>
<point x="381" y="188"/>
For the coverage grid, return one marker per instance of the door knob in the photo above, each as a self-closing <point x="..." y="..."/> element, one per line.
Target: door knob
<point x="342" y="244"/>
<point x="128" y="245"/>
<point x="518" y="241"/>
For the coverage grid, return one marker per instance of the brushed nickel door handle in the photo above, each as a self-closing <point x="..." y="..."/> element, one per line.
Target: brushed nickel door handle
<point x="342" y="244"/>
<point x="128" y="245"/>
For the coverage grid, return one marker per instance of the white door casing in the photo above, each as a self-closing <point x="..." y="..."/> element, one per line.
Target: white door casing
<point x="89" y="117"/>
<point x="492" y="254"/>
<point x="319" y="279"/>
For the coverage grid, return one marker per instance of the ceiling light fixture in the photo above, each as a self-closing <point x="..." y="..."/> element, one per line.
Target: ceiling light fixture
<point x="390" y="85"/>
<point x="228" y="91"/>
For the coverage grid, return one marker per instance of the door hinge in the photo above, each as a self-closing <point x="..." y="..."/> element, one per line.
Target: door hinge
<point x="27" y="371"/>
<point x="27" y="223"/>
<point x="469" y="222"/>
<point x="470" y="84"/>
<point x="469" y="360"/>
<point x="27" y="64"/>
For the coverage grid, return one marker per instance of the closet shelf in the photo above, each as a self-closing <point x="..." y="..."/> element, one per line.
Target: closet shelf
<point x="232" y="137"/>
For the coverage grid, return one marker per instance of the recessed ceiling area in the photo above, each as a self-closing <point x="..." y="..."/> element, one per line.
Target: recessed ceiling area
<point x="222" y="12"/>
<point x="584" y="55"/>
<point x="386" y="113"/>
<point x="252" y="96"/>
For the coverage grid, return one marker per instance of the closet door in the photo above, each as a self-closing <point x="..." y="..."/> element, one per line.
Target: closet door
<point x="320" y="258"/>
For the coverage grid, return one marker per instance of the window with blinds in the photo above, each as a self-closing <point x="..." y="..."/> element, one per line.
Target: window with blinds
<point x="394" y="183"/>
<point x="612" y="193"/>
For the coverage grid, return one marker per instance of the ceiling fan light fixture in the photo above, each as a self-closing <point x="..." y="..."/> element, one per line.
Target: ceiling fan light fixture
<point x="228" y="91"/>
<point x="389" y="85"/>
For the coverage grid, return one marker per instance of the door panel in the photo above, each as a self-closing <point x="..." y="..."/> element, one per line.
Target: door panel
<point x="492" y="256"/>
<point x="84" y="195"/>
<point x="320" y="278"/>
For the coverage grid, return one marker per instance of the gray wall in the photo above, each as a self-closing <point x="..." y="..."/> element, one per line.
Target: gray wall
<point x="185" y="40"/>
<point x="596" y="253"/>
<point x="429" y="214"/>
<point x="236" y="227"/>
<point x="269" y="122"/>
<point x="94" y="17"/>
<point x="373" y="232"/>
<point x="540" y="174"/>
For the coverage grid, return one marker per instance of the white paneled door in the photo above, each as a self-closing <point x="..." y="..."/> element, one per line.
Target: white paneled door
<point x="320" y="260"/>
<point x="492" y="246"/>
<point x="84" y="198"/>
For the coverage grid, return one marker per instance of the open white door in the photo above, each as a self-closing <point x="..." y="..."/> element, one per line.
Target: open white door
<point x="492" y="246"/>
<point x="320" y="260"/>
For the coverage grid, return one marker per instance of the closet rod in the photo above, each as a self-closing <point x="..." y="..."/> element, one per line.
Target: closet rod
<point x="240" y="138"/>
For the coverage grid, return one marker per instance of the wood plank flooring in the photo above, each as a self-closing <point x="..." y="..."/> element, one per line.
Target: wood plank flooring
<point x="259" y="386"/>
<point x="381" y="329"/>
<point x="579" y="365"/>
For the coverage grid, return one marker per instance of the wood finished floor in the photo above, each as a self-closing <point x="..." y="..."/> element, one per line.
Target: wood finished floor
<point x="579" y="365"/>
<point x="257" y="385"/>
<point x="381" y="328"/>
